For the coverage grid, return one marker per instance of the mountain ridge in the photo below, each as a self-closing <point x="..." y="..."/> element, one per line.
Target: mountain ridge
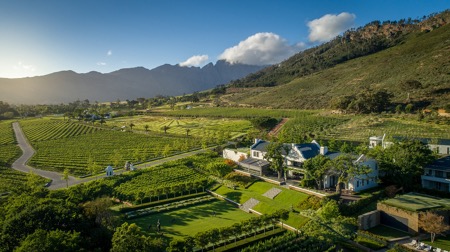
<point x="127" y="83"/>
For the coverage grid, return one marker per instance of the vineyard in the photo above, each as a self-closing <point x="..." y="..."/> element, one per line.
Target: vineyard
<point x="224" y="112"/>
<point x="6" y="133"/>
<point x="48" y="129"/>
<point x="105" y="147"/>
<point x="9" y="151"/>
<point x="170" y="179"/>
<point x="198" y="127"/>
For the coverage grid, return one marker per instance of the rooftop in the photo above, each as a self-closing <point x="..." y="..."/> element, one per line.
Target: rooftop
<point x="442" y="164"/>
<point x="417" y="202"/>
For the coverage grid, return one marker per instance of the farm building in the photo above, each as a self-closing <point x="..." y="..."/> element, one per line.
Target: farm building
<point x="438" y="146"/>
<point x="403" y="212"/>
<point x="295" y="155"/>
<point x="437" y="175"/>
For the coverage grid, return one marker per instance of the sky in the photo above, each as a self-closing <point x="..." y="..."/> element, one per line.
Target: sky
<point x="46" y="36"/>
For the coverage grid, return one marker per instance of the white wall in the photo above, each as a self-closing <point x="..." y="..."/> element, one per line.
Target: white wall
<point x="233" y="154"/>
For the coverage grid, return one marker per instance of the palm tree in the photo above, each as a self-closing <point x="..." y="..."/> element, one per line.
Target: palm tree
<point x="187" y="132"/>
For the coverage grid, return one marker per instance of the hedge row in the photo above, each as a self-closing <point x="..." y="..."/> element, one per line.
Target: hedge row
<point x="161" y="202"/>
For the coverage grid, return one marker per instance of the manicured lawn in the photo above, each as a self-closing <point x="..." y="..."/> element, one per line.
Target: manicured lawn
<point x="285" y="200"/>
<point x="191" y="220"/>
<point x="387" y="232"/>
<point x="440" y="242"/>
<point x="417" y="202"/>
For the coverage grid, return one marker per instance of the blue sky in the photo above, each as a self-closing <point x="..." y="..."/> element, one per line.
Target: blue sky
<point x="41" y="37"/>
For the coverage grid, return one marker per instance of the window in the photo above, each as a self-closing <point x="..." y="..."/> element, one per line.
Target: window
<point x="357" y="183"/>
<point x="256" y="154"/>
<point x="448" y="150"/>
<point x="448" y="175"/>
<point x="439" y="174"/>
<point x="362" y="182"/>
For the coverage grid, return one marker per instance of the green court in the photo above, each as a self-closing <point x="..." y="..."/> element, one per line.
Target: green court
<point x="191" y="220"/>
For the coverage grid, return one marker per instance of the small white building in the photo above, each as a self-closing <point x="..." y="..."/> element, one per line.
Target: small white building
<point x="109" y="171"/>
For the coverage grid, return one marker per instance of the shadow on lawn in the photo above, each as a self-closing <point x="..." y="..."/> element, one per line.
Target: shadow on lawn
<point x="215" y="210"/>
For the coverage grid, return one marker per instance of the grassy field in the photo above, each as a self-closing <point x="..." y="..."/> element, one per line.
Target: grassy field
<point x="285" y="200"/>
<point x="440" y="242"/>
<point x="387" y="232"/>
<point x="417" y="202"/>
<point x="191" y="220"/>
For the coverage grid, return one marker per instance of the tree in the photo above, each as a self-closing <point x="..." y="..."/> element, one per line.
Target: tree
<point x="131" y="126"/>
<point x="99" y="211"/>
<point x="66" y="177"/>
<point x="50" y="241"/>
<point x="274" y="154"/>
<point x="146" y="127"/>
<point x="329" y="211"/>
<point x="264" y="123"/>
<point x="166" y="151"/>
<point x="403" y="162"/>
<point x="129" y="237"/>
<point x="316" y="168"/>
<point x="187" y="132"/>
<point x="345" y="169"/>
<point x="165" y="128"/>
<point x="433" y="224"/>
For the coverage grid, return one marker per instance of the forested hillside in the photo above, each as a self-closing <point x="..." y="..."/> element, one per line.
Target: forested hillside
<point x="408" y="58"/>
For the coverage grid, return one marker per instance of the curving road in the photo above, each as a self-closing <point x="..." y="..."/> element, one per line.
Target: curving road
<point x="57" y="182"/>
<point x="21" y="163"/>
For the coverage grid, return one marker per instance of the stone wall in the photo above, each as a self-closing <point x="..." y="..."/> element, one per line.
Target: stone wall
<point x="369" y="220"/>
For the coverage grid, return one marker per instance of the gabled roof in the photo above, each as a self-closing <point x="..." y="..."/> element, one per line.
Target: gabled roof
<point x="440" y="164"/>
<point x="261" y="145"/>
<point x="308" y="150"/>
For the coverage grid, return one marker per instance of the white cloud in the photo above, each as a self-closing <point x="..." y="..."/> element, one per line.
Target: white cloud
<point x="109" y="53"/>
<point x="195" y="60"/>
<point x="24" y="67"/>
<point x="329" y="26"/>
<point x="261" y="49"/>
<point x="101" y="63"/>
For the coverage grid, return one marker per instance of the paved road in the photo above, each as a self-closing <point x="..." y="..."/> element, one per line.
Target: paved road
<point x="21" y="163"/>
<point x="57" y="182"/>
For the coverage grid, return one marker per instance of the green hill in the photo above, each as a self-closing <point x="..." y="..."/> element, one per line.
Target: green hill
<point x="410" y="59"/>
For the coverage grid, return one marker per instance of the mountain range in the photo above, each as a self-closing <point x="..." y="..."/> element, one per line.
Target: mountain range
<point x="129" y="83"/>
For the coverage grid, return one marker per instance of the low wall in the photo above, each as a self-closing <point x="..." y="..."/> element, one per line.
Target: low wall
<point x="223" y="198"/>
<point x="369" y="220"/>
<point x="310" y="192"/>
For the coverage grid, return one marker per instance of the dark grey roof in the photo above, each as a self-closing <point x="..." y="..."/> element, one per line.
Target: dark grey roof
<point x="261" y="146"/>
<point x="333" y="154"/>
<point x="440" y="164"/>
<point x="425" y="140"/>
<point x="255" y="162"/>
<point x="308" y="150"/>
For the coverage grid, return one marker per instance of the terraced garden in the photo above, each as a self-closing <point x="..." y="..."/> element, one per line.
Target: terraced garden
<point x="287" y="199"/>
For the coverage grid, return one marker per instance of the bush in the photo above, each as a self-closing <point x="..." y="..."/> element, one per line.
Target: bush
<point x="356" y="206"/>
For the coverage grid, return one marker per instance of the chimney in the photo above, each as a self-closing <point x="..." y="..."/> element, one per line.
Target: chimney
<point x="257" y="140"/>
<point x="323" y="150"/>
